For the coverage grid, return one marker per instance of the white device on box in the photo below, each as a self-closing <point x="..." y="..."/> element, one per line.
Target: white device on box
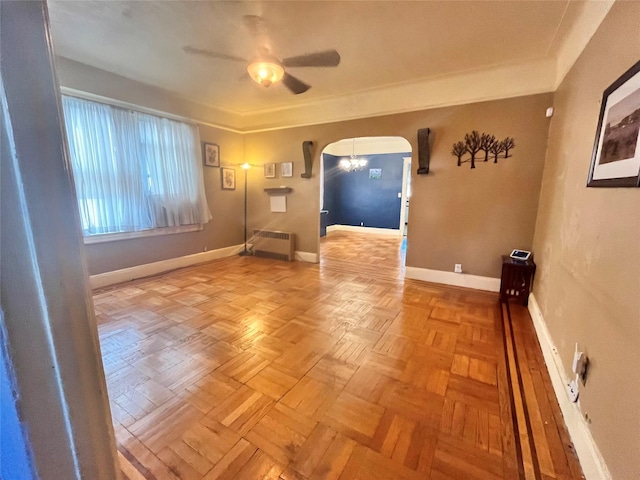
<point x="520" y="255"/>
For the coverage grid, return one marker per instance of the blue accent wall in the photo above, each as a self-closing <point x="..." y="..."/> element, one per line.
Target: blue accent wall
<point x="353" y="198"/>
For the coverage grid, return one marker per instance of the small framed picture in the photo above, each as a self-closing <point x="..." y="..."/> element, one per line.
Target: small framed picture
<point x="286" y="169"/>
<point x="615" y="161"/>
<point x="375" y="173"/>
<point x="211" y="154"/>
<point x="269" y="170"/>
<point x="228" y="178"/>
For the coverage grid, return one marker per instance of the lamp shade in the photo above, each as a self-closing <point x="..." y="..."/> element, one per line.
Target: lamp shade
<point x="265" y="71"/>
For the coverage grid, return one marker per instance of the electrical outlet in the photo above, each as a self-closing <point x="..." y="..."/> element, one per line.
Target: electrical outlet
<point x="580" y="364"/>
<point x="572" y="390"/>
<point x="457" y="268"/>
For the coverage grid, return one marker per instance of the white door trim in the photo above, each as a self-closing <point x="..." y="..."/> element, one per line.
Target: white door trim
<point x="406" y="171"/>
<point x="50" y="335"/>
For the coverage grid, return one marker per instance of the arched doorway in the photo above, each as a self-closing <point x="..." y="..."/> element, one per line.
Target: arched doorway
<point x="365" y="182"/>
<point x="365" y="188"/>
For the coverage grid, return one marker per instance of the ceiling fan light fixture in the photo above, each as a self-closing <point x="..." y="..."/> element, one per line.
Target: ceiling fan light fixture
<point x="265" y="72"/>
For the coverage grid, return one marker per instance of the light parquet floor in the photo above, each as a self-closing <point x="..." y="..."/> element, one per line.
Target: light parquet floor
<point x="248" y="368"/>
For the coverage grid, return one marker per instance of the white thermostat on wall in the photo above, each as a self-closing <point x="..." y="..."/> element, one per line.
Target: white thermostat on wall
<point x="520" y="255"/>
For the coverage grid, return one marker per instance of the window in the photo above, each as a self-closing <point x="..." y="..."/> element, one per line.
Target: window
<point x="133" y="171"/>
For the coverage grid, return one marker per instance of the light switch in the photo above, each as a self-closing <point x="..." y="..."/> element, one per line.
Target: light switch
<point x="399" y="194"/>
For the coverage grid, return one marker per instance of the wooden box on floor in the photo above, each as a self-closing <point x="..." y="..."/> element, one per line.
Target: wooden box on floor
<point x="516" y="279"/>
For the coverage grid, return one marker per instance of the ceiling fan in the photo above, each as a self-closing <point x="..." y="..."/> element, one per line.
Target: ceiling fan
<point x="264" y="67"/>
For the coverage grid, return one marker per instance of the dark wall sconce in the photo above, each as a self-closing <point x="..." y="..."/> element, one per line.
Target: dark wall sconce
<point x="424" y="153"/>
<point x="308" y="159"/>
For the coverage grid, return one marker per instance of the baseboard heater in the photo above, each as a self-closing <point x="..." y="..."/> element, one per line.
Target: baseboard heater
<point x="273" y="244"/>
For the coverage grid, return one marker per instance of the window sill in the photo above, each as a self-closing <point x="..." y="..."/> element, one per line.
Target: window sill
<point x="114" y="237"/>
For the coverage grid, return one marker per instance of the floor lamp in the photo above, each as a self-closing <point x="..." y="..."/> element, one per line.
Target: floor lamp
<point x="245" y="252"/>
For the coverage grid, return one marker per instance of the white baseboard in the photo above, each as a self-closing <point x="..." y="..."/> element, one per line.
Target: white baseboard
<point x="593" y="465"/>
<point x="306" y="257"/>
<point x="139" y="271"/>
<point x="451" y="278"/>
<point x="372" y="230"/>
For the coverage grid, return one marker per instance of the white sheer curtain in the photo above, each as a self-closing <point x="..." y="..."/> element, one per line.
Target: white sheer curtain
<point x="133" y="171"/>
<point x="174" y="170"/>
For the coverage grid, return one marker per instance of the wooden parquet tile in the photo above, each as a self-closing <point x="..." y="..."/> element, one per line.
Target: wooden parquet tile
<point x="247" y="368"/>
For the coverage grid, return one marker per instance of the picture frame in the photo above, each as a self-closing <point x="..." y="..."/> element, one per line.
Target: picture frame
<point x="286" y="169"/>
<point x="615" y="161"/>
<point x="211" y="154"/>
<point x="375" y="173"/>
<point x="269" y="170"/>
<point x="228" y="177"/>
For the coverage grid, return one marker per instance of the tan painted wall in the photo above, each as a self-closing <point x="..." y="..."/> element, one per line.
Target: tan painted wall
<point x="587" y="242"/>
<point x="226" y="207"/>
<point x="457" y="215"/>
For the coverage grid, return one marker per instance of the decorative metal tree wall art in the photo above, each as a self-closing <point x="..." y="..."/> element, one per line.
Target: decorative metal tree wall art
<point x="496" y="149"/>
<point x="474" y="143"/>
<point x="507" y="144"/>
<point x="459" y="149"/>
<point x="486" y="141"/>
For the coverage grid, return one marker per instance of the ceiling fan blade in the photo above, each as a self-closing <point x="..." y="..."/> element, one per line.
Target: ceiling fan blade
<point x="208" y="53"/>
<point x="328" y="58"/>
<point x="294" y="84"/>
<point x="255" y="24"/>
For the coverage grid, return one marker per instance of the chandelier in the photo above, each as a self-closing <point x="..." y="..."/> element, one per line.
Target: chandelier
<point x="353" y="163"/>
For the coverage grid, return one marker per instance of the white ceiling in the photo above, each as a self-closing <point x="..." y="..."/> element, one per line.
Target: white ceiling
<point x="385" y="46"/>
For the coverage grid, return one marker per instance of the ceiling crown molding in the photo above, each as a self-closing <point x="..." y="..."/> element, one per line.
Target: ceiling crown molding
<point x="583" y="28"/>
<point x="504" y="81"/>
<point x="92" y="83"/>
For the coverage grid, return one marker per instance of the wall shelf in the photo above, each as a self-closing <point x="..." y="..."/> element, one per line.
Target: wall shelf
<point x="278" y="190"/>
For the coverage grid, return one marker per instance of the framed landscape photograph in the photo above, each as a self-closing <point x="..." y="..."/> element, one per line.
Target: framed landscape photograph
<point x="286" y="169"/>
<point x="615" y="161"/>
<point x="375" y="173"/>
<point x="211" y="154"/>
<point x="228" y="178"/>
<point x="269" y="170"/>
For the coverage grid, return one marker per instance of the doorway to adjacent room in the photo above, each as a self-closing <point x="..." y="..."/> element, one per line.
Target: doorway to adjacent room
<point x="365" y="190"/>
<point x="366" y="183"/>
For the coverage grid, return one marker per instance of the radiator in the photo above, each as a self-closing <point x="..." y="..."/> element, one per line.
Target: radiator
<point x="273" y="244"/>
